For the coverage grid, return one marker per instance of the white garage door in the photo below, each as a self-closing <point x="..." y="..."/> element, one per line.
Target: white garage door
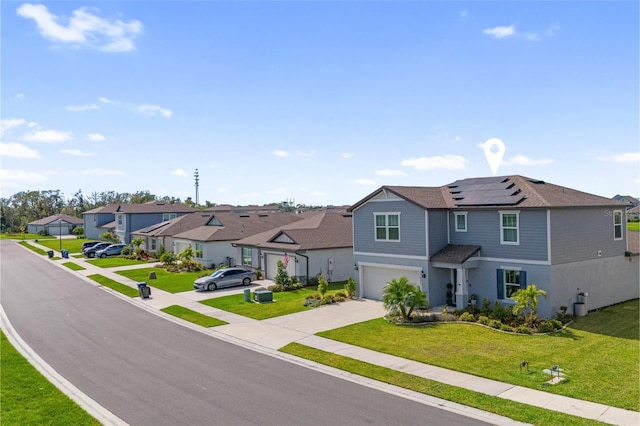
<point x="272" y="265"/>
<point x="374" y="278"/>
<point x="58" y="230"/>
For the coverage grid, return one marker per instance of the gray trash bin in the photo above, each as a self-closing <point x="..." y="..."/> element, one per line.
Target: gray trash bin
<point x="247" y="295"/>
<point x="145" y="291"/>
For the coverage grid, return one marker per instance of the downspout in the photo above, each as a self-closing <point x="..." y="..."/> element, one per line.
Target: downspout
<point x="307" y="263"/>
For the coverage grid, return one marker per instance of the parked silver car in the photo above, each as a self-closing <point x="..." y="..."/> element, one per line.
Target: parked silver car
<point x="112" y="250"/>
<point x="226" y="277"/>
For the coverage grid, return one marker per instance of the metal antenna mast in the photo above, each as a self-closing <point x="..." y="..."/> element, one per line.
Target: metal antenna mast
<point x="197" y="180"/>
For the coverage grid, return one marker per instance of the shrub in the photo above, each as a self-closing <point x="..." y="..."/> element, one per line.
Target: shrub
<point x="500" y="312"/>
<point x="296" y="286"/>
<point x="161" y="250"/>
<point x="276" y="288"/>
<point x="339" y="298"/>
<point x="168" y="259"/>
<point x="282" y="276"/>
<point x="495" y="324"/>
<point x="506" y="327"/>
<point x="311" y="303"/>
<point x="523" y="329"/>
<point x="78" y="231"/>
<point x="467" y="317"/>
<point x="340" y="293"/>
<point x="549" y="326"/>
<point x="311" y="296"/>
<point x="327" y="300"/>
<point x="313" y="281"/>
<point x="350" y="287"/>
<point x="483" y="320"/>
<point x="323" y="285"/>
<point x="485" y="309"/>
<point x="126" y="250"/>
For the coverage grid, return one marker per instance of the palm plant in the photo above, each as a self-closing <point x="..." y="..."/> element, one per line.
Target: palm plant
<point x="527" y="298"/>
<point x="402" y="297"/>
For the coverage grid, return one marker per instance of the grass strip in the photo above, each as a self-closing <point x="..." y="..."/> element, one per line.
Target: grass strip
<point x="504" y="407"/>
<point x="114" y="285"/>
<point x="192" y="316"/>
<point x="32" y="248"/>
<point x="172" y="282"/>
<point x="114" y="262"/>
<point x="74" y="266"/>
<point x="28" y="398"/>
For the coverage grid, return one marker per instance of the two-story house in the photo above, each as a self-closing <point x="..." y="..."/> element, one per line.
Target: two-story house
<point x="126" y="218"/>
<point x="492" y="236"/>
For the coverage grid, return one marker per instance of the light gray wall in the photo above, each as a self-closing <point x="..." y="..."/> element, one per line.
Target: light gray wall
<point x="578" y="234"/>
<point x="437" y="291"/>
<point x="342" y="263"/>
<point x="607" y="280"/>
<point x="412" y="228"/>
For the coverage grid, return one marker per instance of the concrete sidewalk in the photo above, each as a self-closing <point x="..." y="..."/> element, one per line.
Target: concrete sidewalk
<point x="301" y="328"/>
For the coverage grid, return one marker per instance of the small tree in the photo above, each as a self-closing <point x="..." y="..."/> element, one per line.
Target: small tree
<point x="323" y="285"/>
<point x="168" y="258"/>
<point x="137" y="242"/>
<point x="78" y="231"/>
<point x="350" y="287"/>
<point x="111" y="237"/>
<point x="527" y="299"/>
<point x="401" y="297"/>
<point x="282" y="276"/>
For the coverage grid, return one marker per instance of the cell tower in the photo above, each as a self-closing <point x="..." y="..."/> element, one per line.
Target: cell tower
<point x="195" y="175"/>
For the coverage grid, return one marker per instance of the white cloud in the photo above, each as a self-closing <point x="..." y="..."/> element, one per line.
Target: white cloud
<point x="10" y="123"/>
<point x="48" y="136"/>
<point x="500" y="31"/>
<point x="96" y="137"/>
<point x="305" y="154"/>
<point x="12" y="178"/>
<point x="627" y="157"/>
<point x="346" y="155"/>
<point x="277" y="191"/>
<point x="102" y="172"/>
<point x="523" y="160"/>
<point x="365" y="182"/>
<point x="463" y="14"/>
<point x="17" y="150"/>
<point x="390" y="172"/>
<point x="20" y="96"/>
<point x="153" y="110"/>
<point x="83" y="29"/>
<point x="552" y="30"/>
<point x="82" y="107"/>
<point x="280" y="153"/>
<point x="448" y="162"/>
<point x="105" y="100"/>
<point x="76" y="153"/>
<point x="179" y="172"/>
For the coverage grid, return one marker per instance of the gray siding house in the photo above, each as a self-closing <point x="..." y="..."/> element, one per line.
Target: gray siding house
<point x="320" y="244"/>
<point x="129" y="217"/>
<point x="490" y="237"/>
<point x="57" y="224"/>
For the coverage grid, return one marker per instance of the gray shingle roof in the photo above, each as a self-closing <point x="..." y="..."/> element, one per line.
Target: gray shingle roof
<point x="151" y="207"/>
<point x="455" y="253"/>
<point x="51" y="220"/>
<point x="529" y="193"/>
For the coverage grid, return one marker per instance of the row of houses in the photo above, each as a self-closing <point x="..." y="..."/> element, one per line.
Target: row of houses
<point x="482" y="236"/>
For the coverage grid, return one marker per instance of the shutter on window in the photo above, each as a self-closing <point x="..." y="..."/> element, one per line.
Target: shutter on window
<point x="500" y="284"/>
<point x="523" y="279"/>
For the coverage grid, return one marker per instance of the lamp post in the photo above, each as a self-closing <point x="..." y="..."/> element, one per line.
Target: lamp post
<point x="60" y="233"/>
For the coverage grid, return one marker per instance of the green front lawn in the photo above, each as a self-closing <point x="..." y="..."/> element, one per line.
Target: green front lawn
<point x="114" y="262"/>
<point x="173" y="282"/>
<point x="598" y="352"/>
<point x="26" y="236"/>
<point x="504" y="407"/>
<point x="73" y="245"/>
<point x="192" y="316"/>
<point x="633" y="226"/>
<point x="114" y="285"/>
<point x="28" y="398"/>
<point x="74" y="266"/>
<point x="284" y="303"/>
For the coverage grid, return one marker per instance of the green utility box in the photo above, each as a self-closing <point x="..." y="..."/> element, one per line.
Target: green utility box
<point x="262" y="296"/>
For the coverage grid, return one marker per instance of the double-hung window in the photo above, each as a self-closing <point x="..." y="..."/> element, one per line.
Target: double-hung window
<point x="168" y="216"/>
<point x="510" y="281"/>
<point x="198" y="251"/>
<point x="509" y="228"/>
<point x="153" y="244"/>
<point x="461" y="221"/>
<point x="617" y="224"/>
<point x="387" y="226"/>
<point x="246" y="256"/>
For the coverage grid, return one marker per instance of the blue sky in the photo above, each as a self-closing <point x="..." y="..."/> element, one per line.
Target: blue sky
<point x="321" y="102"/>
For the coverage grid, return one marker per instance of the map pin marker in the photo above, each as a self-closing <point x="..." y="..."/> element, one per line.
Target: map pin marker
<point x="494" y="157"/>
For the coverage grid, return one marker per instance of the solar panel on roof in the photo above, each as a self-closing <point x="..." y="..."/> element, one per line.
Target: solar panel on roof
<point x="491" y="191"/>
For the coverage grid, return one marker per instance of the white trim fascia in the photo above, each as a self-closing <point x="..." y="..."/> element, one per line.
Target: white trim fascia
<point x="523" y="261"/>
<point x="391" y="256"/>
<point x="511" y="268"/>
<point x="391" y="266"/>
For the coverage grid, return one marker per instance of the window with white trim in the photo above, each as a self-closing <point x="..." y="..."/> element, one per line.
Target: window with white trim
<point x="153" y="244"/>
<point x="617" y="224"/>
<point x="387" y="226"/>
<point x="120" y="219"/>
<point x="247" y="257"/>
<point x="511" y="282"/>
<point x="168" y="216"/>
<point x="460" y="221"/>
<point x="199" y="250"/>
<point x="509" y="229"/>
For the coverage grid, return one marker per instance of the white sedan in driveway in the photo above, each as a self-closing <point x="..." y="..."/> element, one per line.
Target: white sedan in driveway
<point x="226" y="277"/>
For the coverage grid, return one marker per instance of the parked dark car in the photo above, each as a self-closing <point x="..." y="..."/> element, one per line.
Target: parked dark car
<point x="226" y="277"/>
<point x="112" y="250"/>
<point x="88" y="244"/>
<point x="91" y="251"/>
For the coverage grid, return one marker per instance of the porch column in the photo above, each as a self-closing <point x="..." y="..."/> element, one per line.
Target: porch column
<point x="462" y="292"/>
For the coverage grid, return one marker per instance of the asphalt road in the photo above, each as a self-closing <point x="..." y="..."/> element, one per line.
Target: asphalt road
<point x="150" y="371"/>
